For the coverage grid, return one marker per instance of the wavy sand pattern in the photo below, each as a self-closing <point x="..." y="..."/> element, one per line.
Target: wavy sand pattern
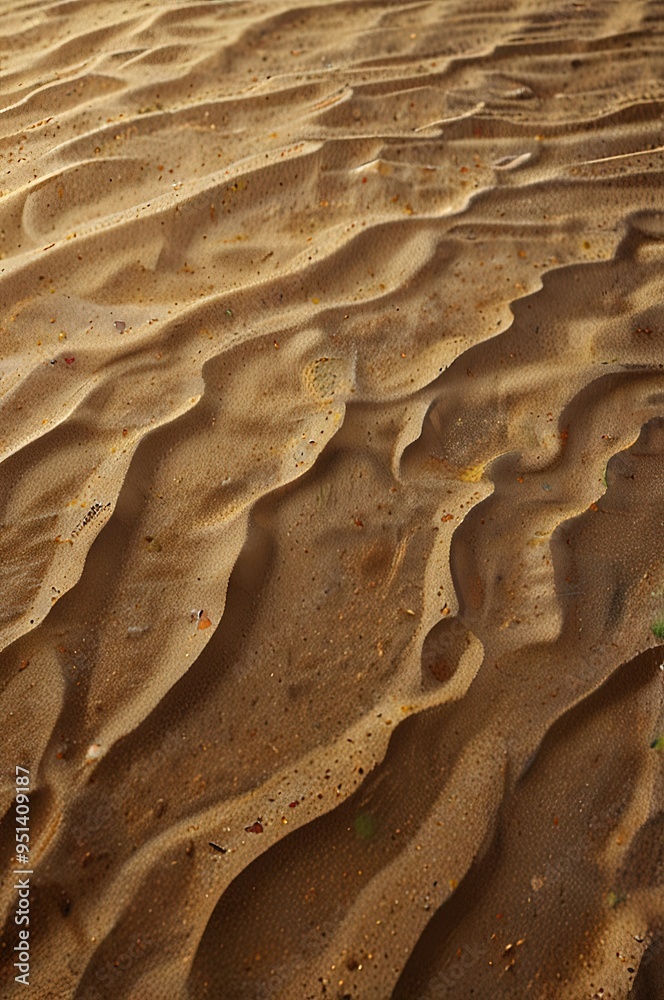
<point x="332" y="493"/>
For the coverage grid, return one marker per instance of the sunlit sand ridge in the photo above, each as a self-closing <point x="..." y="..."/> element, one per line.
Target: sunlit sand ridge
<point x="332" y="492"/>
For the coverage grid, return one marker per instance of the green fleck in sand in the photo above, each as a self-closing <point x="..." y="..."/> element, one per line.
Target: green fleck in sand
<point x="365" y="826"/>
<point x="657" y="628"/>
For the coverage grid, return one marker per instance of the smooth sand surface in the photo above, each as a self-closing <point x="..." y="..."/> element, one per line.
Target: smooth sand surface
<point x="332" y="497"/>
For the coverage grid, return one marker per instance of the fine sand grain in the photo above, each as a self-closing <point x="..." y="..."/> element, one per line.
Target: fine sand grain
<point x="332" y="498"/>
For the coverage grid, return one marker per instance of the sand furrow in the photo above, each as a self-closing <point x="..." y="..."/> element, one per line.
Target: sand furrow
<point x="331" y="483"/>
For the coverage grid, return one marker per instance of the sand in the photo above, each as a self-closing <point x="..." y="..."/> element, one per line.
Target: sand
<point x="332" y="491"/>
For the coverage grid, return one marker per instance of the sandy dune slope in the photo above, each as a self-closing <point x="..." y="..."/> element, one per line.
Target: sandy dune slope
<point x="332" y="498"/>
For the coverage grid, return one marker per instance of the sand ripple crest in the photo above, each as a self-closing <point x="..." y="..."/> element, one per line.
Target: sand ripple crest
<point x="331" y="497"/>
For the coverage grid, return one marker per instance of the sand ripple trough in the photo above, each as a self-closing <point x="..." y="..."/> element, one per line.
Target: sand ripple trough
<point x="332" y="497"/>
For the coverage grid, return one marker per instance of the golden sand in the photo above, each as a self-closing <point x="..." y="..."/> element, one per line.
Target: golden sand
<point x="332" y="496"/>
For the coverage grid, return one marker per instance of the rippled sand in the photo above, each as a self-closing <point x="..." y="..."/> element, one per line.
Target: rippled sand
<point x="332" y="496"/>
